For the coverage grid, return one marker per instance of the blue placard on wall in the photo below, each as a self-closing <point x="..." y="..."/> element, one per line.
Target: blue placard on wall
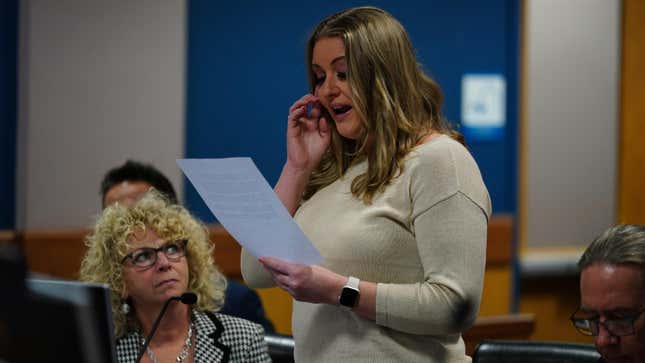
<point x="483" y="106"/>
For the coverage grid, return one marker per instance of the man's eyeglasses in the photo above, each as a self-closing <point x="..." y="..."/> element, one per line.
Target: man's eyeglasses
<point x="616" y="326"/>
<point x="147" y="256"/>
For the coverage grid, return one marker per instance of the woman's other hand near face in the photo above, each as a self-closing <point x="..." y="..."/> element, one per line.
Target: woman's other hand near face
<point x="308" y="135"/>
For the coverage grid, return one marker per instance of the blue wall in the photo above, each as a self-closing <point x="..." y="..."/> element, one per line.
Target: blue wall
<point x="246" y="66"/>
<point x="8" y="91"/>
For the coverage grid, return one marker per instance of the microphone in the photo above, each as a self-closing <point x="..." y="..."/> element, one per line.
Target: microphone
<point x="187" y="298"/>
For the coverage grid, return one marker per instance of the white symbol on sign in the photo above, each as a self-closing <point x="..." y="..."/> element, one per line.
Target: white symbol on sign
<point x="483" y="100"/>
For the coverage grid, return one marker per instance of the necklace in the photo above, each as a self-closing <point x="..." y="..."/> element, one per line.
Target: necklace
<point x="184" y="352"/>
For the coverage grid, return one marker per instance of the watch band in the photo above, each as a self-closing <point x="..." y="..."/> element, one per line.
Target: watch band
<point x="353" y="283"/>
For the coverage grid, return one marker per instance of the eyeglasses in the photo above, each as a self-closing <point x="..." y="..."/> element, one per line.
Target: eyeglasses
<point x="147" y="256"/>
<point x="617" y="326"/>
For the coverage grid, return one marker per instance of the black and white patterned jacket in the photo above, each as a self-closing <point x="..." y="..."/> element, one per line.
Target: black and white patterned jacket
<point x="219" y="338"/>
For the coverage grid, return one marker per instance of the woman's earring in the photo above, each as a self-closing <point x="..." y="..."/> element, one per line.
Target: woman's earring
<point x="125" y="307"/>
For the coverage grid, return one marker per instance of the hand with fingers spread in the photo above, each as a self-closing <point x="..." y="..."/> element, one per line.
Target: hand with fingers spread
<point x="307" y="283"/>
<point x="307" y="134"/>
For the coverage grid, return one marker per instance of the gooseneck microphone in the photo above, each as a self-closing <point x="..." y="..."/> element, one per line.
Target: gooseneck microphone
<point x="187" y="298"/>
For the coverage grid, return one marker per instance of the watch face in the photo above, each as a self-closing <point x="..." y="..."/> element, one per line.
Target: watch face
<point x="348" y="297"/>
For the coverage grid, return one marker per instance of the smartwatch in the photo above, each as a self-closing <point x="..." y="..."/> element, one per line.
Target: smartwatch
<point x="350" y="293"/>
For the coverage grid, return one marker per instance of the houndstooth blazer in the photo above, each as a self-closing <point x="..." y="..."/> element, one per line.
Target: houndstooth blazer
<point x="219" y="338"/>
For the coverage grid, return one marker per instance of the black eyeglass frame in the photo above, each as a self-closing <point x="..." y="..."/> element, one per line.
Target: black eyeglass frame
<point x="628" y="319"/>
<point x="182" y="242"/>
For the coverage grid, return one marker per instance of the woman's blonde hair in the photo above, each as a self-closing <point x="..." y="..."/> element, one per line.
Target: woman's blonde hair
<point x="108" y="245"/>
<point x="395" y="100"/>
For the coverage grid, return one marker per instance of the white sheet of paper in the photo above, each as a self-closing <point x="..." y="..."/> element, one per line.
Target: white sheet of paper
<point x="243" y="202"/>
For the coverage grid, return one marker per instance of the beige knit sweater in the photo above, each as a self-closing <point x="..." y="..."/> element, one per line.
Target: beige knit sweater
<point x="423" y="241"/>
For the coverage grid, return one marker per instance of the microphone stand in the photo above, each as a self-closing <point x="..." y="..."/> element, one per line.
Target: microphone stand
<point x="187" y="298"/>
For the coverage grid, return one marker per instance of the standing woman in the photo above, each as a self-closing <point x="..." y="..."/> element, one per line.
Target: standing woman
<point x="394" y="202"/>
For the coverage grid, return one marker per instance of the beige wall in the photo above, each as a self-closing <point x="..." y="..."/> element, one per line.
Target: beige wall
<point x="99" y="82"/>
<point x="569" y="141"/>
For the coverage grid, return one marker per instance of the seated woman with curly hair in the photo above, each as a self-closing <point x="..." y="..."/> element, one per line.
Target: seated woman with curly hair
<point x="154" y="251"/>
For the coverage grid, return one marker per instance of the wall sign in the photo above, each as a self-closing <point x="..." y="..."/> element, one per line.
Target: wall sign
<point x="483" y="106"/>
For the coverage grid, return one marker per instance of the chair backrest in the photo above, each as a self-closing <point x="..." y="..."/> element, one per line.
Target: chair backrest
<point x="511" y="351"/>
<point x="280" y="347"/>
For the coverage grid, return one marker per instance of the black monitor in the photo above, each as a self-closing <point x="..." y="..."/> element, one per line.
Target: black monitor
<point x="87" y="317"/>
<point x="49" y="321"/>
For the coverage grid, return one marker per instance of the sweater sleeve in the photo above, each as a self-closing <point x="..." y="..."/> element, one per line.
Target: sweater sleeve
<point x="253" y="272"/>
<point x="451" y="241"/>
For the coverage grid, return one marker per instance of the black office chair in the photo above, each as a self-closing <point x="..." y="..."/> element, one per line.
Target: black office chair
<point x="280" y="347"/>
<point x="509" y="351"/>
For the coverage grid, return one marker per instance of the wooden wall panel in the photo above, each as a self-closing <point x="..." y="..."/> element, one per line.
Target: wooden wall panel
<point x="499" y="248"/>
<point x="631" y="191"/>
<point x="7" y="236"/>
<point x="498" y="279"/>
<point x="57" y="253"/>
<point x="496" y="296"/>
<point x="552" y="300"/>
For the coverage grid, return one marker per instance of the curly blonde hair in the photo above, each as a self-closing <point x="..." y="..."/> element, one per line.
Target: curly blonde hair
<point x="395" y="100"/>
<point x="108" y="245"/>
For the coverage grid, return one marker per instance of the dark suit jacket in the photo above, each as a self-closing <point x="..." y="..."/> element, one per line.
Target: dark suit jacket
<point x="245" y="303"/>
<point x="219" y="338"/>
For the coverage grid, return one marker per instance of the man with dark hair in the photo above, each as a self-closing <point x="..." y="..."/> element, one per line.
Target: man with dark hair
<point x="129" y="182"/>
<point x="612" y="289"/>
